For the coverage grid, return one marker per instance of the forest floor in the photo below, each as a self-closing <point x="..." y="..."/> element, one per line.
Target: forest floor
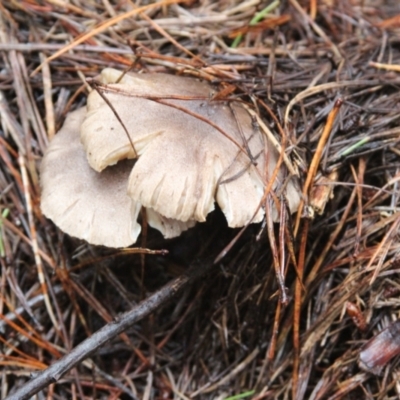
<point x="325" y="76"/>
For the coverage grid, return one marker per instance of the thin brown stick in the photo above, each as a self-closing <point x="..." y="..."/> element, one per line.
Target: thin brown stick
<point x="316" y="159"/>
<point x="109" y="331"/>
<point x="108" y="102"/>
<point x="298" y="307"/>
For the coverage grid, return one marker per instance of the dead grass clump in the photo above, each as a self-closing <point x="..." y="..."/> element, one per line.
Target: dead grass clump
<point x="325" y="76"/>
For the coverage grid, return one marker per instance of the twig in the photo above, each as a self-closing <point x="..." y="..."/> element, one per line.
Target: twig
<point x="274" y="141"/>
<point x="316" y="159"/>
<point x="108" y="102"/>
<point x="48" y="102"/>
<point x="298" y="306"/>
<point x="109" y="331"/>
<point x="32" y="46"/>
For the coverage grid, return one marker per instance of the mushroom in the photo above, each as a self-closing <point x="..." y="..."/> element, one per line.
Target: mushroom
<point x="90" y="205"/>
<point x="176" y="153"/>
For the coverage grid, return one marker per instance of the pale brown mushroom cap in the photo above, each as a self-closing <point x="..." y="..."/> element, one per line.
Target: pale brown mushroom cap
<point x="184" y="163"/>
<point x="178" y="173"/>
<point x="90" y="205"/>
<point x="83" y="203"/>
<point x="102" y="135"/>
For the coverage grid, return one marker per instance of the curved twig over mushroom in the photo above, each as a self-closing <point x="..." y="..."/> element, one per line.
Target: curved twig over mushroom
<point x="192" y="152"/>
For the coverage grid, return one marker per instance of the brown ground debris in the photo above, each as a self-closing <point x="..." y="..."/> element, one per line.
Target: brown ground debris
<point x="325" y="77"/>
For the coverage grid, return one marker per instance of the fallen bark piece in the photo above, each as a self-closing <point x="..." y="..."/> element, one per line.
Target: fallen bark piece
<point x="378" y="351"/>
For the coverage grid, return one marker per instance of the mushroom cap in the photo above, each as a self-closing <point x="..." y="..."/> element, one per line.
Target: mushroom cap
<point x="103" y="136"/>
<point x="181" y="173"/>
<point x="192" y="152"/>
<point x="90" y="205"/>
<point x="184" y="163"/>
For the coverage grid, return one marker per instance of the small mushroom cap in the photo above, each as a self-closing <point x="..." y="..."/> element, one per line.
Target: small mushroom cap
<point x="90" y="205"/>
<point x="185" y="164"/>
<point x="83" y="203"/>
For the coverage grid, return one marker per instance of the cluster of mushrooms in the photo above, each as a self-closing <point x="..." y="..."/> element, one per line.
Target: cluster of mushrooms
<point x="158" y="142"/>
